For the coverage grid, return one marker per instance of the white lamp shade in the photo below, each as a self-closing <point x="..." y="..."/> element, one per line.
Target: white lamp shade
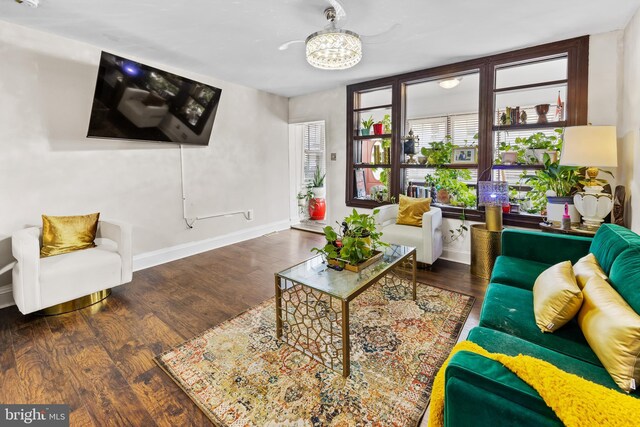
<point x="590" y="146"/>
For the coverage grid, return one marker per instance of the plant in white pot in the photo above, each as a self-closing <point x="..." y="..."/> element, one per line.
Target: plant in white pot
<point x="539" y="144"/>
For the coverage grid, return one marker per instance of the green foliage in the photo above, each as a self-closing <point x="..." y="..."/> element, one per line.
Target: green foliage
<point x="451" y="180"/>
<point x="366" y="124"/>
<point x="356" y="240"/>
<point x="536" y="141"/>
<point x="458" y="232"/>
<point x="562" y="180"/>
<point x="318" y="178"/>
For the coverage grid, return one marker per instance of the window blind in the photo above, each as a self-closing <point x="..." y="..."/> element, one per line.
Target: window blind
<point x="313" y="140"/>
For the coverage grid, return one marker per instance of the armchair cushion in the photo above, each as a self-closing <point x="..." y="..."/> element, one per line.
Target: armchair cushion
<point x="410" y="210"/>
<point x="64" y="234"/>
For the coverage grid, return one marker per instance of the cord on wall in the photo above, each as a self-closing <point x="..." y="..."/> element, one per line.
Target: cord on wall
<point x="248" y="214"/>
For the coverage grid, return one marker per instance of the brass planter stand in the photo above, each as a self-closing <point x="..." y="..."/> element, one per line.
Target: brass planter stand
<point x="485" y="247"/>
<point x="75" y="304"/>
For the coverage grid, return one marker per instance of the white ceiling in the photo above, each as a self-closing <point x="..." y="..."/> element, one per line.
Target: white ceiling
<point x="237" y="40"/>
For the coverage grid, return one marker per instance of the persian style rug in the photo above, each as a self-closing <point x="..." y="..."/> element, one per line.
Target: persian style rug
<point x="239" y="374"/>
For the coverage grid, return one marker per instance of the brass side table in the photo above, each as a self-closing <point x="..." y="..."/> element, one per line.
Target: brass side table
<point x="485" y="247"/>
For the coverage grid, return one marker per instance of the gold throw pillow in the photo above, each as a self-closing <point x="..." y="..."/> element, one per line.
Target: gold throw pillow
<point x="410" y="210"/>
<point x="586" y="268"/>
<point x="63" y="234"/>
<point x="612" y="329"/>
<point x="556" y="297"/>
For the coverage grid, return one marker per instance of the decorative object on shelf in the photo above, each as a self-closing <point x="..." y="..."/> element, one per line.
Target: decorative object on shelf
<point x="559" y="109"/>
<point x="523" y="117"/>
<point x="387" y="156"/>
<point x="464" y="156"/>
<point x="317" y="204"/>
<point x="361" y="187"/>
<point x="354" y="243"/>
<point x="539" y="143"/>
<point x="566" y="218"/>
<point x="542" y="110"/>
<point x="618" y="205"/>
<point x="409" y="146"/>
<point x="503" y="119"/>
<point x="507" y="121"/>
<point x="377" y="158"/>
<point x="422" y="159"/>
<point x="493" y="195"/>
<point x="366" y="126"/>
<point x="592" y="146"/>
<point x="509" y="157"/>
<point x="377" y="128"/>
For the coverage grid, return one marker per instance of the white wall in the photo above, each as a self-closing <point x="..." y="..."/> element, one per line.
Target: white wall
<point x="49" y="166"/>
<point x="604" y="82"/>
<point x="629" y="121"/>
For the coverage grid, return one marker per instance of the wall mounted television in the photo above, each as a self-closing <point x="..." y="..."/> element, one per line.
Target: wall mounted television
<point x="134" y="101"/>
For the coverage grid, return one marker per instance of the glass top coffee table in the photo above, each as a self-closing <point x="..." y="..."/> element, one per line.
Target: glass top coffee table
<point x="312" y="303"/>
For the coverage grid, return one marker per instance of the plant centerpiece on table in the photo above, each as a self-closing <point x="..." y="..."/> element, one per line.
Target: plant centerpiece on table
<point x="317" y="204"/>
<point x="354" y="245"/>
<point x="366" y="126"/>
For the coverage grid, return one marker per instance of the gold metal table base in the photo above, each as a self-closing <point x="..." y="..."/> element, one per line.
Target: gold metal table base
<point x="486" y="246"/>
<point x="317" y="323"/>
<point x="75" y="304"/>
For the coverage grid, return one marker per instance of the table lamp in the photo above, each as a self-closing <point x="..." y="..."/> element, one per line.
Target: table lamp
<point x="593" y="147"/>
<point x="492" y="195"/>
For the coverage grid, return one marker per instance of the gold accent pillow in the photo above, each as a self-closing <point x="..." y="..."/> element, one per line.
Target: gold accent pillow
<point x="556" y="297"/>
<point x="586" y="268"/>
<point x="612" y="329"/>
<point x="410" y="210"/>
<point x="63" y="234"/>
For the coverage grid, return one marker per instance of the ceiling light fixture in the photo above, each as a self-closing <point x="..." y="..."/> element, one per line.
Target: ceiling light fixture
<point x="333" y="48"/>
<point x="450" y="83"/>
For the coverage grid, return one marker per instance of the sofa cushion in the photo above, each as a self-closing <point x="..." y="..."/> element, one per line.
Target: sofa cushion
<point x="586" y="268"/>
<point x="517" y="272"/>
<point x="556" y="297"/>
<point x="610" y="241"/>
<point x="625" y="277"/>
<point x="510" y="310"/>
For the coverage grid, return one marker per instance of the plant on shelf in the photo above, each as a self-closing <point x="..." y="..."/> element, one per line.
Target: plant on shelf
<point x="366" y="126"/>
<point x="530" y="150"/>
<point x="448" y="182"/>
<point x="355" y="241"/>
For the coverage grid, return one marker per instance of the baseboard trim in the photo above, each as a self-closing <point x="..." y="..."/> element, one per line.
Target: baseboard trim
<point x="173" y="253"/>
<point x="457" y="256"/>
<point x="6" y="296"/>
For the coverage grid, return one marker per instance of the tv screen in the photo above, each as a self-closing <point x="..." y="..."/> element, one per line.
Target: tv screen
<point x="135" y="101"/>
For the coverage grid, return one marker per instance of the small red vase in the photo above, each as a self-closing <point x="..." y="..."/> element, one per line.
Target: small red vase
<point x="377" y="129"/>
<point x="317" y="209"/>
<point x="506" y="208"/>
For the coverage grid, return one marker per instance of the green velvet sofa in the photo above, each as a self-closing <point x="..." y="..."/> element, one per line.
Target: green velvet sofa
<point x="482" y="392"/>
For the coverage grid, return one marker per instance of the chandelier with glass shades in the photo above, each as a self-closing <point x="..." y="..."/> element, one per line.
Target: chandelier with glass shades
<point x="333" y="48"/>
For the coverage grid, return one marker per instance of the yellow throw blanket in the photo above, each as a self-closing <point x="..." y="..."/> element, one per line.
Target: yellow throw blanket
<point x="576" y="401"/>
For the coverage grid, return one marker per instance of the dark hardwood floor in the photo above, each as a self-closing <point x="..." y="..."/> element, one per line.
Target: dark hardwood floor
<point x="99" y="360"/>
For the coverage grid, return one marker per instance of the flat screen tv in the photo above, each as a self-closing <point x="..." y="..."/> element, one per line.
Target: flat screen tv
<point x="136" y="102"/>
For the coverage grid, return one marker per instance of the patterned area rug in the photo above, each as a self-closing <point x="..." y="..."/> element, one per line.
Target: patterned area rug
<point x="239" y="374"/>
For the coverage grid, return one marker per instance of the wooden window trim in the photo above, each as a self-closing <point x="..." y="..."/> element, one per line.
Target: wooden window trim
<point x="577" y="52"/>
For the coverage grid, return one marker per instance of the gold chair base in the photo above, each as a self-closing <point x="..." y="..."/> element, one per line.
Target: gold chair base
<point x="75" y="304"/>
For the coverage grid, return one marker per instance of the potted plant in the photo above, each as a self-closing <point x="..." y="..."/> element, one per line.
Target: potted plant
<point x="377" y="128"/>
<point x="508" y="153"/>
<point x="537" y="144"/>
<point x="354" y="245"/>
<point x="366" y="126"/>
<point x="557" y="184"/>
<point x="317" y="204"/>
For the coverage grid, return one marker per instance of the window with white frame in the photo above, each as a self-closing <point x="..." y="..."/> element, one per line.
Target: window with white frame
<point x="313" y="140"/>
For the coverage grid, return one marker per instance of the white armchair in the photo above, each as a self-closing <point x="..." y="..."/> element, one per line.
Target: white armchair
<point x="40" y="283"/>
<point x="141" y="115"/>
<point x="426" y="239"/>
